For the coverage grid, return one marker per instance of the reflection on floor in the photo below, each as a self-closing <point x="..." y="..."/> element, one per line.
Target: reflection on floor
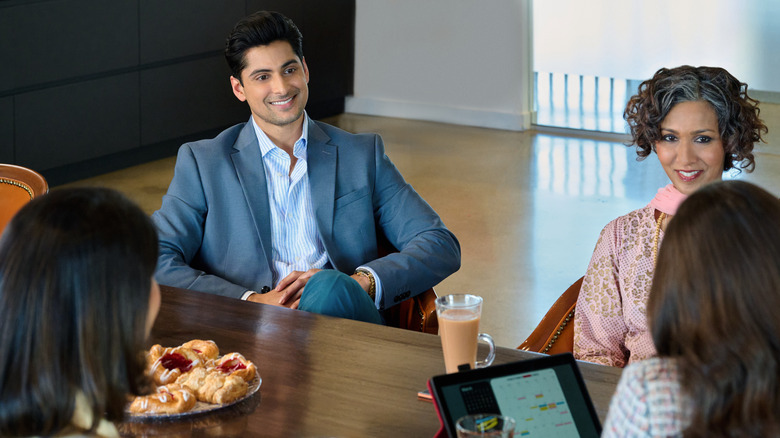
<point x="526" y="206"/>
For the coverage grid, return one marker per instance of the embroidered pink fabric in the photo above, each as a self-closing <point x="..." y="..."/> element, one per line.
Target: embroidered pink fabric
<point x="610" y="323"/>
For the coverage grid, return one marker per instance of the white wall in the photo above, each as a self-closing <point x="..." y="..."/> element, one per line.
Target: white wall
<point x="631" y="39"/>
<point x="464" y="62"/>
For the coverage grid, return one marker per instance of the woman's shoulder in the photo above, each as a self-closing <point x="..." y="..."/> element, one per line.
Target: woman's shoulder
<point x="635" y="218"/>
<point x="657" y="379"/>
<point x="647" y="401"/>
<point x="629" y="224"/>
<point x="654" y="381"/>
<point x="654" y="369"/>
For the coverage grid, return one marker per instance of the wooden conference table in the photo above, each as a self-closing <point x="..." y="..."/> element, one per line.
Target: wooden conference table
<point x="321" y="376"/>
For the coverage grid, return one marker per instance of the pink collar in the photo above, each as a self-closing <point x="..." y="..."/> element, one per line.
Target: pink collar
<point x="668" y="199"/>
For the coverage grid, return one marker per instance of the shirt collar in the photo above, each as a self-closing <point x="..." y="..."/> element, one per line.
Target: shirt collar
<point x="266" y="145"/>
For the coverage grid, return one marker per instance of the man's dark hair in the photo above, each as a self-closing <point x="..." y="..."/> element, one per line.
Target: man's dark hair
<point x="260" y="29"/>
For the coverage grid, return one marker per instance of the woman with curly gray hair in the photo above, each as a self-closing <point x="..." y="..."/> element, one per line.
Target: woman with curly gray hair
<point x="700" y="122"/>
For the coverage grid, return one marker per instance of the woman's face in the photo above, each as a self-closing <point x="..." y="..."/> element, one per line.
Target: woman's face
<point x="154" y="306"/>
<point x="690" y="149"/>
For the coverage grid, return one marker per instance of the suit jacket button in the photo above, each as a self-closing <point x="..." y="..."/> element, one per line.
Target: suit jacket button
<point x="265" y="290"/>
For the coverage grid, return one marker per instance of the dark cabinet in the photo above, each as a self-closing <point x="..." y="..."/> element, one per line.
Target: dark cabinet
<point x="89" y="86"/>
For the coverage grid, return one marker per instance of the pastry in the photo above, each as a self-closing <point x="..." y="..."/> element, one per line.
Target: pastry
<point x="153" y="354"/>
<point x="235" y="364"/>
<point x="172" y="363"/>
<point x="207" y="349"/>
<point x="222" y="388"/>
<point x="193" y="372"/>
<point x="170" y="399"/>
<point x="194" y="379"/>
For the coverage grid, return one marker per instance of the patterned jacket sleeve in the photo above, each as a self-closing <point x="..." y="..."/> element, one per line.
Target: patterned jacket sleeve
<point x="599" y="326"/>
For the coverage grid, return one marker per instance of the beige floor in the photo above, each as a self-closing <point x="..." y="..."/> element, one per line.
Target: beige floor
<point x="526" y="206"/>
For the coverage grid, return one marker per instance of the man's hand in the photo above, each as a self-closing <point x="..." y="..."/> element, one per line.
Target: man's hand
<point x="291" y="287"/>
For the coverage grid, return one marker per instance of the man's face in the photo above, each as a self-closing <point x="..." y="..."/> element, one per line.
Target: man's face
<point x="274" y="85"/>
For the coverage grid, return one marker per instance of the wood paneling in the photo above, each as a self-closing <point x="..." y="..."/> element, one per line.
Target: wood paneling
<point x="76" y="122"/>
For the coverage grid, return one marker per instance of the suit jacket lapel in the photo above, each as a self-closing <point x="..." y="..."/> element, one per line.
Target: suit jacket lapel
<point x="248" y="162"/>
<point x="321" y="166"/>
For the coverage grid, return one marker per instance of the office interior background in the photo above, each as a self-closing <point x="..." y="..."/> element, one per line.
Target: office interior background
<point x="505" y="115"/>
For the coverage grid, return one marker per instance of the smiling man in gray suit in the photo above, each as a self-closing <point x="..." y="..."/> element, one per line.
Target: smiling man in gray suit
<point x="284" y="210"/>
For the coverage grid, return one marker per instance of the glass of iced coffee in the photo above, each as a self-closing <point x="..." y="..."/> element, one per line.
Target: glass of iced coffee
<point x="459" y="317"/>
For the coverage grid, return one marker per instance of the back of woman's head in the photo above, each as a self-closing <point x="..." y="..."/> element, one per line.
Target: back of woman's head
<point x="75" y="276"/>
<point x="713" y="307"/>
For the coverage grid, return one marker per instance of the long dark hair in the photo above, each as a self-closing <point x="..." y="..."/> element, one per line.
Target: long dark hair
<point x="75" y="277"/>
<point x="713" y="308"/>
<point x="737" y="113"/>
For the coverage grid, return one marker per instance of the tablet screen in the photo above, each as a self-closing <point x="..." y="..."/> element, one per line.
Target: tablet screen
<point x="545" y="396"/>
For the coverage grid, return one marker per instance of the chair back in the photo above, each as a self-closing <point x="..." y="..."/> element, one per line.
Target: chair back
<point x="18" y="186"/>
<point x="417" y="313"/>
<point x="555" y="332"/>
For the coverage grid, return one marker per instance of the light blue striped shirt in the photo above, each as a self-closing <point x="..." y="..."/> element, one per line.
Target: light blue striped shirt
<point x="295" y="240"/>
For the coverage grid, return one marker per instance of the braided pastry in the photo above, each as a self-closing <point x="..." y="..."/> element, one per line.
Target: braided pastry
<point x="222" y="388"/>
<point x="208" y="350"/>
<point x="235" y="364"/>
<point x="170" y="399"/>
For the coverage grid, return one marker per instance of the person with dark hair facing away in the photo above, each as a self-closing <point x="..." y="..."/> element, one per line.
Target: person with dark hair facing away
<point x="712" y="314"/>
<point x="700" y="122"/>
<point x="282" y="202"/>
<point x="77" y="303"/>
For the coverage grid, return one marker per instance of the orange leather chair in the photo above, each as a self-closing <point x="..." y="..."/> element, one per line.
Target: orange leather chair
<point x="18" y="185"/>
<point x="555" y="332"/>
<point x="417" y="313"/>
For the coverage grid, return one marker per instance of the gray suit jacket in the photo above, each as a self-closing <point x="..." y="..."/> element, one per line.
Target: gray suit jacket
<point x="215" y="228"/>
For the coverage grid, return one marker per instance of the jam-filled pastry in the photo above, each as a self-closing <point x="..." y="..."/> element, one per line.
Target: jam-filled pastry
<point x="222" y="388"/>
<point x="194" y="379"/>
<point x="207" y="349"/>
<point x="153" y="354"/>
<point x="170" y="399"/>
<point x="235" y="364"/>
<point x="173" y="363"/>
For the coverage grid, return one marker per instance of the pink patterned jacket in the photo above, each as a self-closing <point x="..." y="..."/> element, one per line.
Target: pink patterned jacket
<point x="610" y="323"/>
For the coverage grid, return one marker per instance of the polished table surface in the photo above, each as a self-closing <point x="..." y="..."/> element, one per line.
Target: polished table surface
<point x="321" y="376"/>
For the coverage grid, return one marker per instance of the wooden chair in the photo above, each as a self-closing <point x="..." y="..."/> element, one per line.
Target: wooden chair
<point x="18" y="185"/>
<point x="417" y="313"/>
<point x="555" y="332"/>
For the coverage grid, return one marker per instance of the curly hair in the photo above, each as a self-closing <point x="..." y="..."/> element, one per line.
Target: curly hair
<point x="737" y="113"/>
<point x="713" y="304"/>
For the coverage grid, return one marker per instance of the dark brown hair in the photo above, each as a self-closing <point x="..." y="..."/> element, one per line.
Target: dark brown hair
<point x="75" y="276"/>
<point x="260" y="29"/>
<point x="713" y="308"/>
<point x="737" y="113"/>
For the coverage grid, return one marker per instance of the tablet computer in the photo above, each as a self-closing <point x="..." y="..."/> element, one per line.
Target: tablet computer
<point x="546" y="396"/>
